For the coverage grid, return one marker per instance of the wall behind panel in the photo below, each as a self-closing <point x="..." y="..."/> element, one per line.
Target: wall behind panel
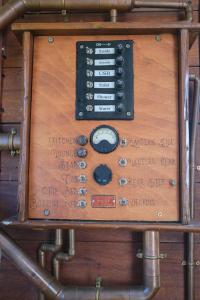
<point x="109" y="254"/>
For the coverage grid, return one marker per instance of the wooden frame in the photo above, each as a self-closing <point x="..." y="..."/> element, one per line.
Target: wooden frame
<point x="186" y="32"/>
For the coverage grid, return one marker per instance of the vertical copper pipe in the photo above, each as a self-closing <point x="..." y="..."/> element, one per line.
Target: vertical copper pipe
<point x="190" y="236"/>
<point x="62" y="256"/>
<point x="50" y="248"/>
<point x="113" y="15"/>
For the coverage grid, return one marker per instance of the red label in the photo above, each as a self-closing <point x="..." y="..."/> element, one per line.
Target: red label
<point x="103" y="201"/>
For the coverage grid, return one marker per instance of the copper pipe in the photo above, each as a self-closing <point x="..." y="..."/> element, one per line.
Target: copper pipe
<point x="151" y="278"/>
<point x="53" y="290"/>
<point x="113" y="15"/>
<point x="191" y="237"/>
<point x="9" y="141"/>
<point x="16" y="8"/>
<point x="186" y="5"/>
<point x="62" y="256"/>
<point x="45" y="282"/>
<point x="53" y="248"/>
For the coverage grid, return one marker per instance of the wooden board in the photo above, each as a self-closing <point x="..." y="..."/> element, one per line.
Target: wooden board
<point x="152" y="150"/>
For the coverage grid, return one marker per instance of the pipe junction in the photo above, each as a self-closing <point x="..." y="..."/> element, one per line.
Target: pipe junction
<point x="52" y="289"/>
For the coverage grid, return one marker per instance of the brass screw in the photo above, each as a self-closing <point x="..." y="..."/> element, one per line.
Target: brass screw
<point x="50" y="39"/>
<point x="198" y="168"/>
<point x="158" y="38"/>
<point x="173" y="182"/>
<point x="159" y="214"/>
<point x="46" y="212"/>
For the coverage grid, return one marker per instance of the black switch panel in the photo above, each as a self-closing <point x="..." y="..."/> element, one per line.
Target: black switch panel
<point x="104" y="83"/>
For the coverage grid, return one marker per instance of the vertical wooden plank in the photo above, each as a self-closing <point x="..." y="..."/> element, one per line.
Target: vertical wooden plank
<point x="25" y="134"/>
<point x="184" y="125"/>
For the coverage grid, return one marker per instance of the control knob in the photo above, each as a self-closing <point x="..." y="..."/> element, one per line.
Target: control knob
<point x="102" y="174"/>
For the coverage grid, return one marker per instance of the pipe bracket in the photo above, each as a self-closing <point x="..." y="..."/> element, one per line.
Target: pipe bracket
<point x="98" y="287"/>
<point x="140" y="255"/>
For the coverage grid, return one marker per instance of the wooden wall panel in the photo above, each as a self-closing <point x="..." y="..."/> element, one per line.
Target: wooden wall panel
<point x="108" y="253"/>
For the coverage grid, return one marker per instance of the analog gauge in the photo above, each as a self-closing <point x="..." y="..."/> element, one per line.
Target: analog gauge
<point x="104" y="139"/>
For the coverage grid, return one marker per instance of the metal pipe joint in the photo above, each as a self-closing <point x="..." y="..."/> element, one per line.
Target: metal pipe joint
<point x="10" y="142"/>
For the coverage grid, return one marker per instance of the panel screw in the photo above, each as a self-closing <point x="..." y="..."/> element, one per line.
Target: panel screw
<point x="128" y="113"/>
<point x="128" y="46"/>
<point x="80" y="114"/>
<point x="159" y="214"/>
<point x="172" y="182"/>
<point x="198" y="168"/>
<point x="50" y="39"/>
<point x="46" y="212"/>
<point x="158" y="38"/>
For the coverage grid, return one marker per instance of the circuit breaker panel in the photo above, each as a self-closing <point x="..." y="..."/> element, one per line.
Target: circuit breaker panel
<point x="104" y="129"/>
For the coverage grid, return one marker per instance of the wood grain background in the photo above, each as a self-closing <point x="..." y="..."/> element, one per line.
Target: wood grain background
<point x="110" y="254"/>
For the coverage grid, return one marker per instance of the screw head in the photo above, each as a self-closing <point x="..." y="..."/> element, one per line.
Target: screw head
<point x="158" y="38"/>
<point x="80" y="114"/>
<point x="173" y="182"/>
<point x="198" y="168"/>
<point x="128" y="46"/>
<point x="50" y="39"/>
<point x="46" y="212"/>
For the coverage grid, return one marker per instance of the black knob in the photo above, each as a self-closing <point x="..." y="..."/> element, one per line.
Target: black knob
<point x="102" y="174"/>
<point x="81" y="152"/>
<point x="119" y="60"/>
<point x="120" y="71"/>
<point x="120" y="48"/>
<point x="120" y="96"/>
<point x="82" y="140"/>
<point x="120" y="84"/>
<point x="120" y="108"/>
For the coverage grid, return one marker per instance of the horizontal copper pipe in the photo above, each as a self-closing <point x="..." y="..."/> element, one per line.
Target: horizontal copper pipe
<point x="16" y="8"/>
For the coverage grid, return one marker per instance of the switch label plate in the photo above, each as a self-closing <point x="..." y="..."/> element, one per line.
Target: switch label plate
<point x="104" y="80"/>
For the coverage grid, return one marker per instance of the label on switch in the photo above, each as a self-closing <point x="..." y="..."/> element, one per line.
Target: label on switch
<point x="105" y="51"/>
<point x="104" y="85"/>
<point x="104" y="108"/>
<point x="104" y="73"/>
<point x="108" y="97"/>
<point x="104" y="62"/>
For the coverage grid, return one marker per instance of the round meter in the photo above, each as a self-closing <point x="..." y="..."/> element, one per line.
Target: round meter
<point x="104" y="139"/>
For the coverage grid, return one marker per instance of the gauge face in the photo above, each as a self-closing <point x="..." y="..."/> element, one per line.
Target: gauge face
<point x="104" y="139"/>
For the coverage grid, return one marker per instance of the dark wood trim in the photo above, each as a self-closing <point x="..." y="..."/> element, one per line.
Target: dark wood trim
<point x="84" y="28"/>
<point x="184" y="125"/>
<point x="25" y="132"/>
<point x="132" y="226"/>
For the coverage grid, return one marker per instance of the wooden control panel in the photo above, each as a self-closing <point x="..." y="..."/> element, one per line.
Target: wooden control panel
<point x="140" y="180"/>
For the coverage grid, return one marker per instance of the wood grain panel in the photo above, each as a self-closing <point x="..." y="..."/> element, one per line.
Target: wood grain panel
<point x="152" y="136"/>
